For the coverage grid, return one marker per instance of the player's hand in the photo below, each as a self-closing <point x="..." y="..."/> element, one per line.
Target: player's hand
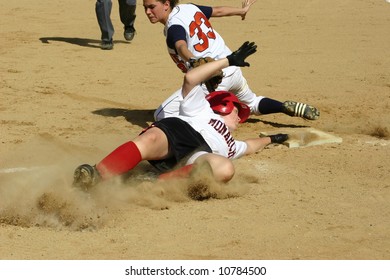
<point x="237" y="58"/>
<point x="245" y="6"/>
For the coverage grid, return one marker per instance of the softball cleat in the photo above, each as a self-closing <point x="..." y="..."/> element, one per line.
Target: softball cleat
<point x="85" y="176"/>
<point x="298" y="109"/>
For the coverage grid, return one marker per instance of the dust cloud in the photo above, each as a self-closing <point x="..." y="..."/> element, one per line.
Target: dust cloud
<point x="36" y="189"/>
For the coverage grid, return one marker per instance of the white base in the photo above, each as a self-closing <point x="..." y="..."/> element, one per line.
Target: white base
<point x="303" y="137"/>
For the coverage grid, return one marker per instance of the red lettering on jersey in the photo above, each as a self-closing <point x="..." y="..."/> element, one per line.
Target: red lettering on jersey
<point x="222" y="129"/>
<point x="195" y="29"/>
<point x="179" y="63"/>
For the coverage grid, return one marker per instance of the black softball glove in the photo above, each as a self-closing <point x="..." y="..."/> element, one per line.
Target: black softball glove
<point x="279" y="138"/>
<point x="237" y="58"/>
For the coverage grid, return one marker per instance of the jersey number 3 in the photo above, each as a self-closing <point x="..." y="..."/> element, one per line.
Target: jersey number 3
<point x="195" y="29"/>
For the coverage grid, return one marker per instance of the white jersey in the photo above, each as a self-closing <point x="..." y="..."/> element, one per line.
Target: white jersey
<point x="202" y="40"/>
<point x="196" y="111"/>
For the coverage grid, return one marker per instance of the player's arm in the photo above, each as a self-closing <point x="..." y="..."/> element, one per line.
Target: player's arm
<point x="202" y="73"/>
<point x="205" y="71"/>
<point x="176" y="39"/>
<point x="183" y="51"/>
<point x="256" y="144"/>
<point x="224" y="11"/>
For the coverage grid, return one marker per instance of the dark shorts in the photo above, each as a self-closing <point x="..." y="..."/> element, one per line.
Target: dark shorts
<point x="183" y="141"/>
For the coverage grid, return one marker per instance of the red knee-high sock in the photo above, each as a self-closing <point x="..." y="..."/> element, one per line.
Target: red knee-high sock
<point x="121" y="160"/>
<point x="178" y="173"/>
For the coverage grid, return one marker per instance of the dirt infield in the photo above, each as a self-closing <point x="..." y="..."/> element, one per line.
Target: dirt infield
<point x="64" y="102"/>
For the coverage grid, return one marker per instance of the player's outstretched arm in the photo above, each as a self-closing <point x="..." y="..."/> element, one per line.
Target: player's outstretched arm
<point x="224" y="11"/>
<point x="205" y="71"/>
<point x="257" y="144"/>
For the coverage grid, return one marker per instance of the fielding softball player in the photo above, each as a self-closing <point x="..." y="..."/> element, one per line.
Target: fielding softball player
<point x="190" y="36"/>
<point x="200" y="134"/>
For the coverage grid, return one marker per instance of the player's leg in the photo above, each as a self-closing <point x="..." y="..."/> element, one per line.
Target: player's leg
<point x="221" y="168"/>
<point x="152" y="144"/>
<point x="237" y="84"/>
<point x="261" y="105"/>
<point x="127" y="15"/>
<point x="103" y="13"/>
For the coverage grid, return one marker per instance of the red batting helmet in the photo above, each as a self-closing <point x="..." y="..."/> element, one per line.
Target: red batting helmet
<point x="223" y="103"/>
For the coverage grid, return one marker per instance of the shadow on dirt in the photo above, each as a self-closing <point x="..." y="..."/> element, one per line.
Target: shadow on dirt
<point x="82" y="42"/>
<point x="138" y="117"/>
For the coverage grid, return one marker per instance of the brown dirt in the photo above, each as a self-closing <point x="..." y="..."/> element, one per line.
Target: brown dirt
<point x="64" y="102"/>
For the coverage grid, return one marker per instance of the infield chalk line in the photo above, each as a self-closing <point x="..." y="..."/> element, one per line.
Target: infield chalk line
<point x="20" y="169"/>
